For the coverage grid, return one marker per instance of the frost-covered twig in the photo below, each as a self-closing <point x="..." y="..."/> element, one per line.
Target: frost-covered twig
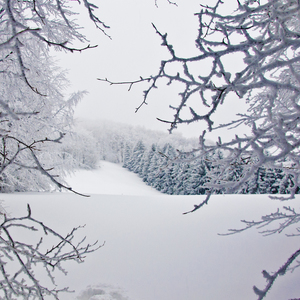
<point x="282" y="220"/>
<point x="272" y="277"/>
<point x="33" y="108"/>
<point x="24" y="257"/>
<point x="267" y="37"/>
<point x="20" y="146"/>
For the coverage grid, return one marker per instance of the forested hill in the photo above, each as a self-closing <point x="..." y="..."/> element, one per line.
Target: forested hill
<point x="111" y="141"/>
<point x="155" y="157"/>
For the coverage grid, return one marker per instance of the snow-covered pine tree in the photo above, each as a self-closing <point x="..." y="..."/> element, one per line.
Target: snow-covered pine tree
<point x="267" y="181"/>
<point x="153" y="169"/>
<point x="147" y="162"/>
<point x="195" y="181"/>
<point x="176" y="171"/>
<point x="135" y="162"/>
<point x="166" y="181"/>
<point x="127" y="156"/>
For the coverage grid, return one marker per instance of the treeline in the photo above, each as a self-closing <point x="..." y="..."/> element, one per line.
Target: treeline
<point x="157" y="158"/>
<point x="92" y="141"/>
<point x="166" y="170"/>
<point x="159" y="167"/>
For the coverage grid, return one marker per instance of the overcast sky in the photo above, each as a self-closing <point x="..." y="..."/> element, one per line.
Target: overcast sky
<point x="135" y="50"/>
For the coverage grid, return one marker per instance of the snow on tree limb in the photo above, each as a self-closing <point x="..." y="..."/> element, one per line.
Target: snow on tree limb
<point x="33" y="109"/>
<point x="271" y="278"/>
<point x="267" y="36"/>
<point x="26" y="256"/>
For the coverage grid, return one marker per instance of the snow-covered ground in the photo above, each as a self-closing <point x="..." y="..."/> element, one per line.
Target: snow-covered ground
<point x="152" y="251"/>
<point x="110" y="179"/>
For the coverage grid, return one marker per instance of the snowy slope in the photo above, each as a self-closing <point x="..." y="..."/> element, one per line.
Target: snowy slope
<point x="153" y="252"/>
<point x="109" y="179"/>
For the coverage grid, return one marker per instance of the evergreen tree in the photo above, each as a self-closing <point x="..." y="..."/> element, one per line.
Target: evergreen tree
<point x="127" y="156"/>
<point x="135" y="162"/>
<point x="147" y="162"/>
<point x="196" y="179"/>
<point x="165" y="180"/>
<point x="153" y="169"/>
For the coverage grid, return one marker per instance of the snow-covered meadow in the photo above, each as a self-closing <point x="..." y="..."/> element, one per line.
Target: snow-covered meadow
<point x="152" y="251"/>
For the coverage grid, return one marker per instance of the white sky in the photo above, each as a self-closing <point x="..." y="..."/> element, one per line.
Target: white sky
<point x="135" y="50"/>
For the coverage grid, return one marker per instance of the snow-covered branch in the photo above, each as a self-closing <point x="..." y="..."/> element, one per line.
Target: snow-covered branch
<point x="33" y="110"/>
<point x="267" y="37"/>
<point x="25" y="257"/>
<point x="270" y="278"/>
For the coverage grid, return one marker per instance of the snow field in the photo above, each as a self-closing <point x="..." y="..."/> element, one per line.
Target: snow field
<point x="153" y="252"/>
<point x="109" y="179"/>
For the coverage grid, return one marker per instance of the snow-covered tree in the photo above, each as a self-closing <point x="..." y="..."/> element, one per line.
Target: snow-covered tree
<point x="135" y="163"/>
<point x="27" y="246"/>
<point x="34" y="118"/>
<point x="195" y="182"/>
<point x="147" y="162"/>
<point x="34" y="113"/>
<point x="80" y="149"/>
<point x="154" y="168"/>
<point x="266" y="36"/>
<point x="263" y="39"/>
